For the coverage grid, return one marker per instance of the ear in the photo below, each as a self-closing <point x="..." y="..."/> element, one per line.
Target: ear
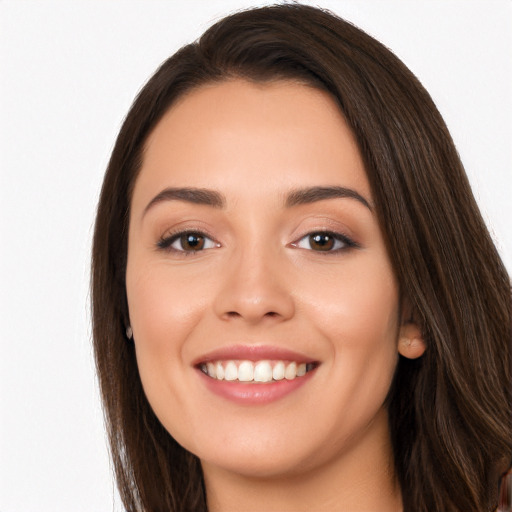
<point x="410" y="340"/>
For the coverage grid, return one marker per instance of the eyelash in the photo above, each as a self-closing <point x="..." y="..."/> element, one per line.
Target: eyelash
<point x="347" y="243"/>
<point x="167" y="242"/>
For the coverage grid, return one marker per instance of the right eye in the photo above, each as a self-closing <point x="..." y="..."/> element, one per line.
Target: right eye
<point x="187" y="242"/>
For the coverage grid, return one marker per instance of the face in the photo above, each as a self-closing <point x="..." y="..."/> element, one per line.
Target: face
<point x="263" y="304"/>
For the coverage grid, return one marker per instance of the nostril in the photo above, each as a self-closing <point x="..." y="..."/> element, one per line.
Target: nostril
<point x="235" y="314"/>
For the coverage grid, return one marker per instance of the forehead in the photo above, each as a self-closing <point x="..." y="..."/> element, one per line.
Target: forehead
<point x="236" y="133"/>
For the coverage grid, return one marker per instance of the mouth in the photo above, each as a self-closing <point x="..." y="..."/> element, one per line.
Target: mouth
<point x="252" y="374"/>
<point x="263" y="371"/>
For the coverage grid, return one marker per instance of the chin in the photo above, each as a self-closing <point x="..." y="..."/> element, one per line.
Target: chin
<point x="259" y="465"/>
<point x="272" y="454"/>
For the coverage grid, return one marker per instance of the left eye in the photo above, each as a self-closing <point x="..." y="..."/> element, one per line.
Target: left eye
<point x="187" y="242"/>
<point x="324" y="242"/>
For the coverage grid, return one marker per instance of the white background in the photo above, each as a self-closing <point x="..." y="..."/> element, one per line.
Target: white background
<point x="68" y="73"/>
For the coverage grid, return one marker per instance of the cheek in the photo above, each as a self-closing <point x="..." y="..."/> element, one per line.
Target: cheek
<point x="162" y="305"/>
<point x="361" y="301"/>
<point x="359" y="298"/>
<point x="358" y="315"/>
<point x="163" y="312"/>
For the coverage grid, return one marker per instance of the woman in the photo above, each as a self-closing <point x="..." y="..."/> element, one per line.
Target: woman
<point x="296" y="303"/>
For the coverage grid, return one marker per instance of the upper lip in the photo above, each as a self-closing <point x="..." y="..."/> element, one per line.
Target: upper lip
<point x="253" y="353"/>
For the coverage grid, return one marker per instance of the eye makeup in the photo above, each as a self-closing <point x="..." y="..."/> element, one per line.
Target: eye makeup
<point x="187" y="241"/>
<point x="327" y="242"/>
<point x="194" y="241"/>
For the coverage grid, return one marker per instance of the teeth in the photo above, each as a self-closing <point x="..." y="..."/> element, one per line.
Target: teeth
<point x="259" y="371"/>
<point x="246" y="371"/>
<point x="301" y="370"/>
<point x="290" y="371"/>
<point x="263" y="372"/>
<point x="231" y="371"/>
<point x="220" y="371"/>
<point x="278" y="371"/>
<point x="210" y="368"/>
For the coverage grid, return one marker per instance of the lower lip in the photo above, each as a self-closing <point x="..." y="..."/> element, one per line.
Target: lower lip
<point x="254" y="393"/>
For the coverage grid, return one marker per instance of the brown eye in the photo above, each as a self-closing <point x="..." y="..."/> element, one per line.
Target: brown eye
<point x="321" y="242"/>
<point x="187" y="242"/>
<point x="191" y="242"/>
<point x="325" y="241"/>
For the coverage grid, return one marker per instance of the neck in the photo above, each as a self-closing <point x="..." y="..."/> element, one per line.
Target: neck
<point x="358" y="480"/>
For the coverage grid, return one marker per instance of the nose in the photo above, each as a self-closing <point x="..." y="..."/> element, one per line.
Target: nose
<point x="254" y="289"/>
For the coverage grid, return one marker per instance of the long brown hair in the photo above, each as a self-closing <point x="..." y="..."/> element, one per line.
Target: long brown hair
<point x="449" y="411"/>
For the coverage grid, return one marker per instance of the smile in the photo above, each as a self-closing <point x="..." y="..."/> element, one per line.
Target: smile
<point x="263" y="371"/>
<point x="254" y="374"/>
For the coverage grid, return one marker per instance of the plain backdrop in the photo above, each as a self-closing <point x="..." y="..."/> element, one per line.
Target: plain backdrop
<point x="68" y="73"/>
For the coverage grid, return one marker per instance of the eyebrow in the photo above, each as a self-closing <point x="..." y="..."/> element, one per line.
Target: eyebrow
<point x="215" y="199"/>
<point x="190" y="195"/>
<point x="314" y="194"/>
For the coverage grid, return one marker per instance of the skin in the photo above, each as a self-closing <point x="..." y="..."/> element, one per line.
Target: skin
<point x="326" y="445"/>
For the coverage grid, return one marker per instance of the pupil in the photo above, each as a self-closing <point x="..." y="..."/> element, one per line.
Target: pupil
<point x="322" y="242"/>
<point x="192" y="242"/>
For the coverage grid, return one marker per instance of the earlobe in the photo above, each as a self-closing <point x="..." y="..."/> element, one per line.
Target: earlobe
<point x="410" y="341"/>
